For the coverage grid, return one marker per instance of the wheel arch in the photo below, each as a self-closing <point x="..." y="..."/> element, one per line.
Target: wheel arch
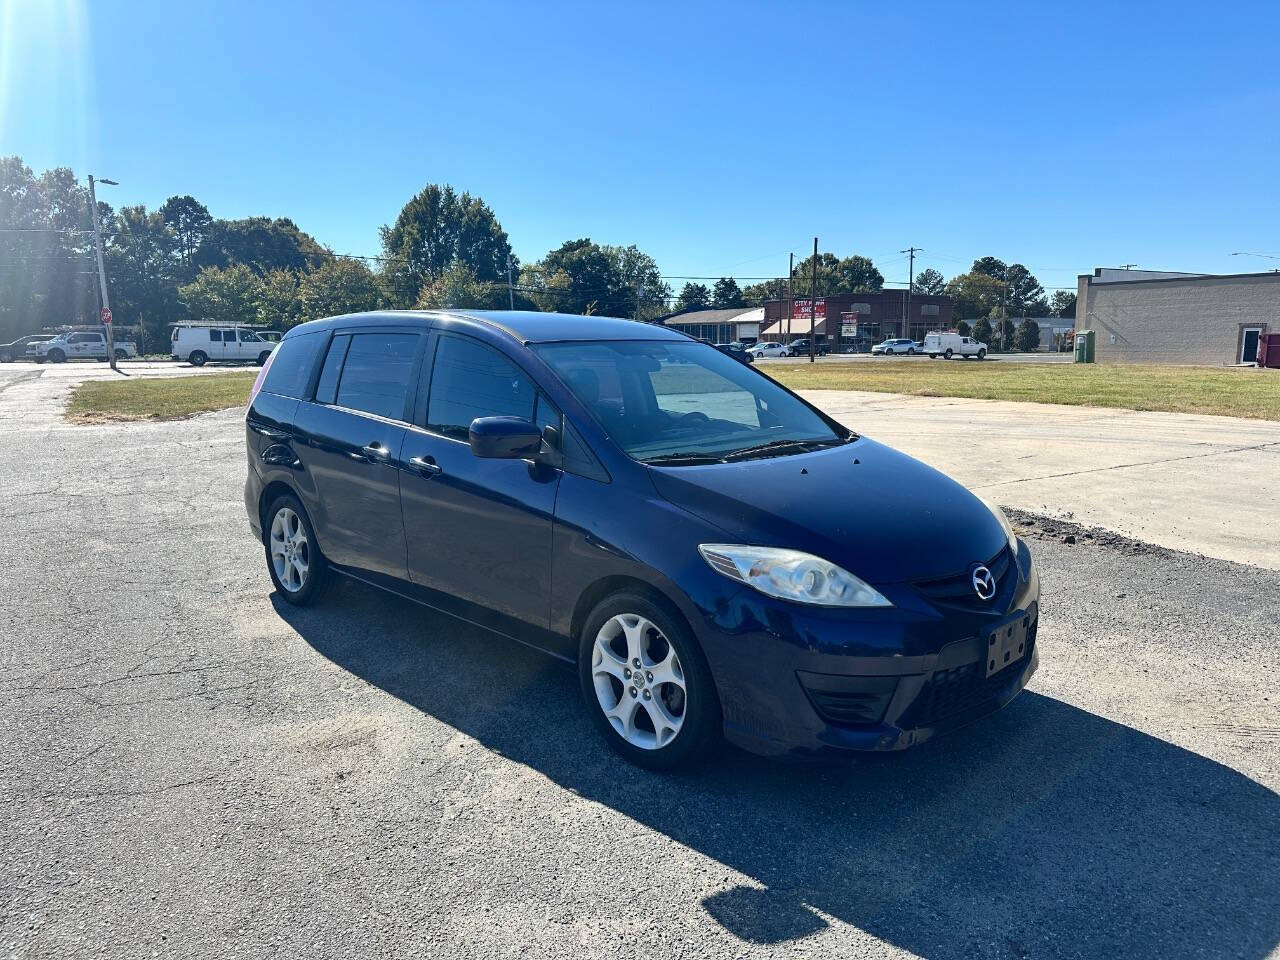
<point x="269" y="493"/>
<point x="619" y="583"/>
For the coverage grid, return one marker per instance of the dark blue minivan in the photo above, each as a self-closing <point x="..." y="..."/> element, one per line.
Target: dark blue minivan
<point x="714" y="554"/>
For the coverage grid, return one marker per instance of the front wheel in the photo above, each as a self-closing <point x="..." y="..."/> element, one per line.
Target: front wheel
<point x="198" y="358"/>
<point x="982" y="354"/>
<point x="933" y="356"/>
<point x="6" y="357"/>
<point x="295" y="563"/>
<point x="645" y="682"/>
<point x="947" y="355"/>
<point x="121" y="354"/>
<point x="911" y="351"/>
<point x="57" y="356"/>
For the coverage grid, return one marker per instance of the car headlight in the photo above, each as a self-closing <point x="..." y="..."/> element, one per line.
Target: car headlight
<point x="790" y="575"/>
<point x="1004" y="523"/>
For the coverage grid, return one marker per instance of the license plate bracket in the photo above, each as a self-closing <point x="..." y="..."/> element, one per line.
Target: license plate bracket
<point x="1007" y="644"/>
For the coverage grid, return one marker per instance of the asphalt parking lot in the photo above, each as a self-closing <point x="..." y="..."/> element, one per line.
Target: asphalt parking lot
<point x="192" y="768"/>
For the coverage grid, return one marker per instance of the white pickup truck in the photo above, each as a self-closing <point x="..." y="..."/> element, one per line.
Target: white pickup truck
<point x="82" y="345"/>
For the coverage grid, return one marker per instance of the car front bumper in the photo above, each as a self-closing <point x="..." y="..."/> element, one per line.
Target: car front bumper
<point x="808" y="682"/>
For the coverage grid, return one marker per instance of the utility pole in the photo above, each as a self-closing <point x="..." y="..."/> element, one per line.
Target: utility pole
<point x="511" y="293"/>
<point x="102" y="274"/>
<point x="813" y="304"/>
<point x="791" y="296"/>
<point x="911" y="282"/>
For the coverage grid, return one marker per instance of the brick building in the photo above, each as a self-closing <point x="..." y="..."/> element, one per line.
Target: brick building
<point x="854" y="317"/>
<point x="1177" y="318"/>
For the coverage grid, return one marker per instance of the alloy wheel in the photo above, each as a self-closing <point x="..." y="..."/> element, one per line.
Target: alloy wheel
<point x="290" y="550"/>
<point x="639" y="682"/>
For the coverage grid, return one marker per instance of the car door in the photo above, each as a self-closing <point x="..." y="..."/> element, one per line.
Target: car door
<point x="350" y="433"/>
<point x="478" y="529"/>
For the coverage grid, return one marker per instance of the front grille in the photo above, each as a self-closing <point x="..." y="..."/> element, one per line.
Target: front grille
<point x="953" y="695"/>
<point x="957" y="591"/>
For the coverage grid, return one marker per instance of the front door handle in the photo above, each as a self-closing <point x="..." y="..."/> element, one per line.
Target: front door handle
<point x="426" y="466"/>
<point x="371" y="453"/>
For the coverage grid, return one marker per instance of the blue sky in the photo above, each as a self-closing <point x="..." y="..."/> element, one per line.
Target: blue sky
<point x="716" y="136"/>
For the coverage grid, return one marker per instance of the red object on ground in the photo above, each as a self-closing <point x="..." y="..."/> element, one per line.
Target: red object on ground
<point x="1269" y="350"/>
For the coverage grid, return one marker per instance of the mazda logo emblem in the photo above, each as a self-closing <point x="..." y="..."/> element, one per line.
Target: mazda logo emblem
<point x="984" y="584"/>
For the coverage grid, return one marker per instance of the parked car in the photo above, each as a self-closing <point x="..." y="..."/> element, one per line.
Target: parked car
<point x="887" y="347"/>
<point x="628" y="500"/>
<point x="953" y="344"/>
<point x="271" y="336"/>
<point x="24" y="348"/>
<point x="800" y="348"/>
<point x="82" y="345"/>
<point x="737" y="351"/>
<point x="200" y="343"/>
<point x="770" y="348"/>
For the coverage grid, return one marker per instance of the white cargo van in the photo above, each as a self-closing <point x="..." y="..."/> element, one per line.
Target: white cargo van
<point x="952" y="344"/>
<point x="201" y="343"/>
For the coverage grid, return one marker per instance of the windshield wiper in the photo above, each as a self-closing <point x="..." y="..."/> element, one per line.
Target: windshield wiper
<point x="689" y="459"/>
<point x="779" y="446"/>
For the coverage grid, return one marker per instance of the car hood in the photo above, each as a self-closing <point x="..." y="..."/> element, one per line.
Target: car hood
<point x="880" y="514"/>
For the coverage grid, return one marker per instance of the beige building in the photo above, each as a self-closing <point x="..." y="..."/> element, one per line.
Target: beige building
<point x="1150" y="317"/>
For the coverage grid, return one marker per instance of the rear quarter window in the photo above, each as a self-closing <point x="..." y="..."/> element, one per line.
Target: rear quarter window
<point x="292" y="364"/>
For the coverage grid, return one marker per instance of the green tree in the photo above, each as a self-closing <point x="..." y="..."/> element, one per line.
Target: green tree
<point x="437" y="227"/>
<point x="1024" y="296"/>
<point x="1008" y="334"/>
<point x="47" y="271"/>
<point x="726" y="294"/>
<point x="755" y="294"/>
<point x="992" y="267"/>
<point x="962" y="328"/>
<point x="580" y="276"/>
<point x="982" y="332"/>
<point x="930" y="282"/>
<point x="458" y="287"/>
<point x="1028" y="336"/>
<point x="694" y="296"/>
<point x="279" y="300"/>
<point x="142" y="263"/>
<point x="260" y="243"/>
<point x="1063" y="304"/>
<point x="337" y="287"/>
<point x="854" y="274"/>
<point x="975" y="294"/>
<point x="638" y="272"/>
<point x="223" y="296"/>
<point x="189" y="220"/>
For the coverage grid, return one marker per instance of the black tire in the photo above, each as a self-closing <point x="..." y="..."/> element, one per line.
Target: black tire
<point x="198" y="358"/>
<point x="6" y="357"/>
<point x="318" y="577"/>
<point x="262" y="357"/>
<point x="121" y="355"/>
<point x="933" y="356"/>
<point x="57" y="356"/>
<point x="947" y="354"/>
<point x="982" y="354"/>
<point x="911" y="351"/>
<point x="701" y="726"/>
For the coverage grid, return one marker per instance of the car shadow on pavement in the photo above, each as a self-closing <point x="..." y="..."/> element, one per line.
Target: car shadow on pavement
<point x="1043" y="830"/>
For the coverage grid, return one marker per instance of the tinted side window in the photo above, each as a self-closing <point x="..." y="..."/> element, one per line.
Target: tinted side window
<point x="472" y="380"/>
<point x="292" y="363"/>
<point x="215" y="336"/>
<point x="248" y="336"/>
<point x="327" y="388"/>
<point x="375" y="376"/>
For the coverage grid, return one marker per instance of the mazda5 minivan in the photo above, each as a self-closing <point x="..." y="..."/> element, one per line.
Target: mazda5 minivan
<point x="716" y="556"/>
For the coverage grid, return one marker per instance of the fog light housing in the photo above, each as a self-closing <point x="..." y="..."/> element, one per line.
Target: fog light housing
<point x="848" y="701"/>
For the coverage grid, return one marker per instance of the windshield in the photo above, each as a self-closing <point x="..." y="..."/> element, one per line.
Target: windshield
<point x="683" y="402"/>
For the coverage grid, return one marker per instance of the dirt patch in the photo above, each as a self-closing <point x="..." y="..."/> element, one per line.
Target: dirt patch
<point x="1036" y="527"/>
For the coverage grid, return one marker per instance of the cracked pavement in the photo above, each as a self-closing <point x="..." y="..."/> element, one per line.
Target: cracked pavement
<point x="189" y="767"/>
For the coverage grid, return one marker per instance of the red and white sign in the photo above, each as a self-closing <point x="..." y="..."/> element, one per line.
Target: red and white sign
<point x="106" y="314"/>
<point x="800" y="309"/>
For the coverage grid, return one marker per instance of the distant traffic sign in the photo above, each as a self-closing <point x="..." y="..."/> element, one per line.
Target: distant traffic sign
<point x="106" y="314"/>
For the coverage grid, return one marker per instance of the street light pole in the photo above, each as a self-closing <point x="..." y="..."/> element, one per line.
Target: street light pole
<point x="813" y="303"/>
<point x="102" y="273"/>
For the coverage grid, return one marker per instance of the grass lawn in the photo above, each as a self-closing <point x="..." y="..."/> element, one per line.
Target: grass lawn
<point x="158" y="398"/>
<point x="1227" y="392"/>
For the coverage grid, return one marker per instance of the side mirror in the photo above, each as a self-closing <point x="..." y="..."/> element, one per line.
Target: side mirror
<point x="504" y="438"/>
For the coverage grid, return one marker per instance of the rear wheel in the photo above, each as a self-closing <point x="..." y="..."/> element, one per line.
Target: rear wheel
<point x="120" y="354"/>
<point x="295" y="563"/>
<point x="198" y="358"/>
<point x="911" y="351"/>
<point x="646" y="685"/>
<point x="262" y="357"/>
<point x="6" y="356"/>
<point x="947" y="354"/>
<point x="933" y="356"/>
<point x="982" y="354"/>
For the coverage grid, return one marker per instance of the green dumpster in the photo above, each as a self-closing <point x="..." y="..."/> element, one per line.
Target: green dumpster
<point x="1084" y="346"/>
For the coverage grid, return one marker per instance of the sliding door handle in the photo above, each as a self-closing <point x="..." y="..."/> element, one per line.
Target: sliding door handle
<point x="426" y="466"/>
